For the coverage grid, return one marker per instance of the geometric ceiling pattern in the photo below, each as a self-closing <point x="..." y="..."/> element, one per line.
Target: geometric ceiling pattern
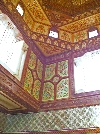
<point x="68" y="16"/>
<point x="61" y="12"/>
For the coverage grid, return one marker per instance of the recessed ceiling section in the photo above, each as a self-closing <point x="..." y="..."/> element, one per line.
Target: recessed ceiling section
<point x="71" y="7"/>
<point x="36" y="11"/>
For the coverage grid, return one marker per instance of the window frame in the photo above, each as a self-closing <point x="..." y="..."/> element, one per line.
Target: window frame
<point x="23" y="54"/>
<point x="71" y="71"/>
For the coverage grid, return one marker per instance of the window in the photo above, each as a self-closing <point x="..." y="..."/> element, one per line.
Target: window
<point x="93" y="31"/>
<point x="20" y="9"/>
<point x="87" y="72"/>
<point x="53" y="32"/>
<point x="13" y="49"/>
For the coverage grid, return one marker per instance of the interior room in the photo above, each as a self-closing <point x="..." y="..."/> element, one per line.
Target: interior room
<point x="49" y="66"/>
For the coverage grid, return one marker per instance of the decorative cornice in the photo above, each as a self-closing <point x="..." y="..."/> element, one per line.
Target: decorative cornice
<point x="13" y="88"/>
<point x="72" y="103"/>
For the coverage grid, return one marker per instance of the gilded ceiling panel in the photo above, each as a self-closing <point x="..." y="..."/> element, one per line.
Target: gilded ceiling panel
<point x="71" y="7"/>
<point x="40" y="28"/>
<point x="48" y="50"/>
<point x="39" y="18"/>
<point x="82" y="24"/>
<point x="62" y="12"/>
<point x="36" y="11"/>
<point x="66" y="36"/>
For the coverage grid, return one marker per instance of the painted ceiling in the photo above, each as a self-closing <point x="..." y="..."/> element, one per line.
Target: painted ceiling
<point x="68" y="16"/>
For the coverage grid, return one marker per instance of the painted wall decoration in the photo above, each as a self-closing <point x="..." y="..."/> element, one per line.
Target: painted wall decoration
<point x="48" y="50"/>
<point x="82" y="24"/>
<point x="36" y="11"/>
<point x="32" y="61"/>
<point x="32" y="82"/>
<point x="28" y="81"/>
<point x="39" y="69"/>
<point x="63" y="35"/>
<point x="15" y="2"/>
<point x="63" y="68"/>
<point x="28" y="19"/>
<point x="63" y="89"/>
<point x="48" y="91"/>
<point x="41" y="28"/>
<point x="56" y="76"/>
<point x="36" y="89"/>
<point x="73" y="118"/>
<point x="50" y="71"/>
<point x="81" y="35"/>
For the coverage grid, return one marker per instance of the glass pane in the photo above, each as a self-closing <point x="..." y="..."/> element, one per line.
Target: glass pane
<point x="87" y="72"/>
<point x="53" y="34"/>
<point x="20" y="10"/>
<point x="93" y="34"/>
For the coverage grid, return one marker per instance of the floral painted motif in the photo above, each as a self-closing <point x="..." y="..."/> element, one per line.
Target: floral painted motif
<point x="40" y="29"/>
<point x="50" y="71"/>
<point x="28" y="81"/>
<point x="48" y="41"/>
<point x="63" y="68"/>
<point x="83" y="44"/>
<point x="65" y="36"/>
<point x="28" y="19"/>
<point x="36" y="11"/>
<point x="34" y="36"/>
<point x="80" y="36"/>
<point x="36" y="89"/>
<point x="63" y="89"/>
<point x="55" y="79"/>
<point x="34" y="75"/>
<point x="32" y="61"/>
<point x="48" y="91"/>
<point x="82" y="24"/>
<point x="56" y="43"/>
<point x="39" y="69"/>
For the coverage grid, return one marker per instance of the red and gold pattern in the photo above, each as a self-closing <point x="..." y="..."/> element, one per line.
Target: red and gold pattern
<point x="82" y="24"/>
<point x="81" y="35"/>
<point x="32" y="61"/>
<point x="36" y="11"/>
<point x="50" y="71"/>
<point x="36" y="89"/>
<point x="48" y="50"/>
<point x="28" y="81"/>
<point x="37" y="27"/>
<point x="48" y="91"/>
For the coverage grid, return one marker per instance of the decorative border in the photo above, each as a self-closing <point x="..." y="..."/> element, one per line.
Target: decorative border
<point x="79" y="131"/>
<point x="13" y="88"/>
